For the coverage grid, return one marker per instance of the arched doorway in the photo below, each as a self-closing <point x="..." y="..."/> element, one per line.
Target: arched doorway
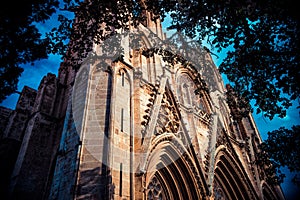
<point x="230" y="182"/>
<point x="172" y="173"/>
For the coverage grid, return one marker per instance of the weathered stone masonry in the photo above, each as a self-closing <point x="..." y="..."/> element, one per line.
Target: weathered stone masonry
<point x="136" y="128"/>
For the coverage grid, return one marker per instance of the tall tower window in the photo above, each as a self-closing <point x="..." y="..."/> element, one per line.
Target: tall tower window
<point x="123" y="78"/>
<point x="122" y="119"/>
<point x="120" y="189"/>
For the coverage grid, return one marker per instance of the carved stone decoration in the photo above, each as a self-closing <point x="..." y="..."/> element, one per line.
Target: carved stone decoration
<point x="154" y="190"/>
<point x="137" y="74"/>
<point x="168" y="120"/>
<point x="191" y="94"/>
<point x="221" y="140"/>
<point x="181" y="136"/>
<point x="147" y="105"/>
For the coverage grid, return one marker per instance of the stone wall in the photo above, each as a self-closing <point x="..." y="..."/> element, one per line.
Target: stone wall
<point x="135" y="128"/>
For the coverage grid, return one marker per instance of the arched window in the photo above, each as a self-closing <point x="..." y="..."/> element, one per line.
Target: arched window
<point x="186" y="93"/>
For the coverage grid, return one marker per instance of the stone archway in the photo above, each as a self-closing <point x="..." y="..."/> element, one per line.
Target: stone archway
<point x="230" y="182"/>
<point x="172" y="174"/>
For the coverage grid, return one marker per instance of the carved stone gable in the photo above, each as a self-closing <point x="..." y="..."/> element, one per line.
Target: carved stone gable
<point x="168" y="117"/>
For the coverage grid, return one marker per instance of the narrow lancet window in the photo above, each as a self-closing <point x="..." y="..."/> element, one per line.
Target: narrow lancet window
<point x="120" y="191"/>
<point x="123" y="78"/>
<point x="122" y="119"/>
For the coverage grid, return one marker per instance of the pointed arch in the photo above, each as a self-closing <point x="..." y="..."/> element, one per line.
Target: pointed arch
<point x="268" y="192"/>
<point x="187" y="85"/>
<point x="230" y="180"/>
<point x="173" y="167"/>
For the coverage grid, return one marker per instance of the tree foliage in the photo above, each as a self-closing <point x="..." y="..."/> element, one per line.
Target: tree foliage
<point x="262" y="62"/>
<point x="95" y="21"/>
<point x="262" y="38"/>
<point x="283" y="147"/>
<point x="20" y="39"/>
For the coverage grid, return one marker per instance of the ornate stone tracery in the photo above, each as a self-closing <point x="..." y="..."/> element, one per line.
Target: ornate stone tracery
<point x="168" y="118"/>
<point x="155" y="190"/>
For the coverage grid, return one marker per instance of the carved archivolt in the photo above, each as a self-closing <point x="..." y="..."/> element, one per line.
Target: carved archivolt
<point x="171" y="171"/>
<point x="268" y="193"/>
<point x="230" y="178"/>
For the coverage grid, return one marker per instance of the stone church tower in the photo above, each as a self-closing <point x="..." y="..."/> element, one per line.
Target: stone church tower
<point x="140" y="127"/>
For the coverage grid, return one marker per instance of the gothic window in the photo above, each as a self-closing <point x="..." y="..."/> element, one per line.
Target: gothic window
<point x="121" y="177"/>
<point x="122" y="119"/>
<point x="123" y="78"/>
<point x="154" y="190"/>
<point x="186" y="93"/>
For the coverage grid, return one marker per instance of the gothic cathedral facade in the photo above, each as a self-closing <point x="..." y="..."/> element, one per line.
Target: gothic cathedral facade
<point x="137" y="128"/>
